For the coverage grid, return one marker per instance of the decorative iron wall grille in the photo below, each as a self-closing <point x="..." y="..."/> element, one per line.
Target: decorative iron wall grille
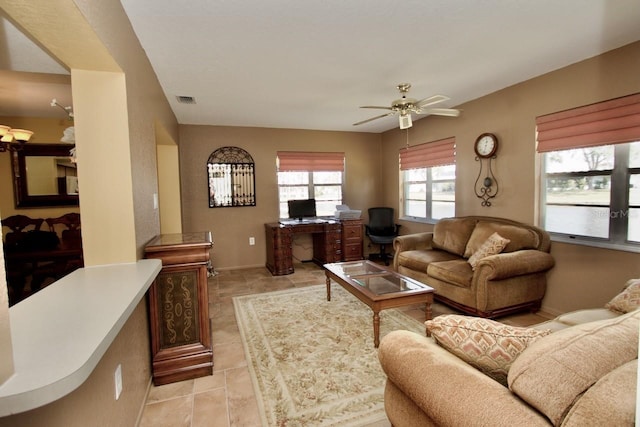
<point x="232" y="180"/>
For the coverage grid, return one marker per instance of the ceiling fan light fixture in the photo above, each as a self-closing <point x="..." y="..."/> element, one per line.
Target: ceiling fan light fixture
<point x="405" y="106"/>
<point x="405" y="121"/>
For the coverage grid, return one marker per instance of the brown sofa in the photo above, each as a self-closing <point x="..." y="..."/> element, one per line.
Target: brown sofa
<point x="583" y="373"/>
<point x="510" y="281"/>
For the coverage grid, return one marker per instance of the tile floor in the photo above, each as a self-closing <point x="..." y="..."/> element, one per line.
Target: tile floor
<point x="226" y="399"/>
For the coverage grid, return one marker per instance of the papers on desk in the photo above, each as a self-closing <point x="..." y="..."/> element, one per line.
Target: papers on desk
<point x="344" y="212"/>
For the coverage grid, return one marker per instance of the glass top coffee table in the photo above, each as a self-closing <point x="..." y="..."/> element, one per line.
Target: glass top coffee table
<point x="378" y="287"/>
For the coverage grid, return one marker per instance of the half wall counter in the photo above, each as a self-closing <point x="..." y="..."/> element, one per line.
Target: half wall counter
<point x="92" y="302"/>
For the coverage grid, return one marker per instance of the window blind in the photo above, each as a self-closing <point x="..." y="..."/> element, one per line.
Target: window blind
<point x="614" y="121"/>
<point x="310" y="161"/>
<point x="436" y="153"/>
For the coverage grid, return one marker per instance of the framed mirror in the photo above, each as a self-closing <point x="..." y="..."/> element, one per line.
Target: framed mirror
<point x="44" y="175"/>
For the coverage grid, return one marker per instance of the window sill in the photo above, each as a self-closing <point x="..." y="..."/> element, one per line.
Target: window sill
<point x="575" y="240"/>
<point x="419" y="220"/>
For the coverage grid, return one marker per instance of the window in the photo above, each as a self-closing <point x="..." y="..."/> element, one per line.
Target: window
<point x="231" y="177"/>
<point x="591" y="173"/>
<point x="428" y="176"/>
<point x="310" y="175"/>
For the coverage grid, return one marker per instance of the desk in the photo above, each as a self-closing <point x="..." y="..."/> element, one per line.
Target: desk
<point x="333" y="241"/>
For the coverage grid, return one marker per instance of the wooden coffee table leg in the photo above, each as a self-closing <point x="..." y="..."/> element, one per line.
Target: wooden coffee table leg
<point x="376" y="329"/>
<point x="328" y="288"/>
<point x="428" y="314"/>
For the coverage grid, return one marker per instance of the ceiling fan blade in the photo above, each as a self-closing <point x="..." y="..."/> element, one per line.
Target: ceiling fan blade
<point x="373" y="118"/>
<point x="431" y="100"/>
<point x="376" y="107"/>
<point x="449" y="112"/>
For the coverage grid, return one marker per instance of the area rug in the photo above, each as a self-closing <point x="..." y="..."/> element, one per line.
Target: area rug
<point x="312" y="361"/>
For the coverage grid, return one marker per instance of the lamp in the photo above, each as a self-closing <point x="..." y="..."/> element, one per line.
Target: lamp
<point x="405" y="120"/>
<point x="8" y="135"/>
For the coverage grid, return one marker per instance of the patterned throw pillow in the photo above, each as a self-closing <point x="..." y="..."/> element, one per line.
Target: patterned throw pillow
<point x="627" y="300"/>
<point x="487" y="345"/>
<point x="493" y="245"/>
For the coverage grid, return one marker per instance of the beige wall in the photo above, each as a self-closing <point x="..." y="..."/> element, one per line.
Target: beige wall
<point x="91" y="38"/>
<point x="169" y="197"/>
<point x="6" y="349"/>
<point x="147" y="109"/>
<point x="583" y="276"/>
<point x="232" y="227"/>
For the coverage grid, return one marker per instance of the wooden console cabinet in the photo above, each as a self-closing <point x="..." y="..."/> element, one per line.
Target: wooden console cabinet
<point x="179" y="308"/>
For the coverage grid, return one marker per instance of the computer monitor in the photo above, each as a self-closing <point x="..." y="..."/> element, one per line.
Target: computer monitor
<point x="302" y="208"/>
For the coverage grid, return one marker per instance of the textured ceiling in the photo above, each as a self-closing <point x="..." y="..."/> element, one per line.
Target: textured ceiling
<point x="311" y="64"/>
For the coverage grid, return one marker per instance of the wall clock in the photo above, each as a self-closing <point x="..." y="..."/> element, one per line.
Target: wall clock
<point x="486" y="145"/>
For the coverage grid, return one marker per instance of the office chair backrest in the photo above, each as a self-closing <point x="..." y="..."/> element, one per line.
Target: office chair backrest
<point x="381" y="221"/>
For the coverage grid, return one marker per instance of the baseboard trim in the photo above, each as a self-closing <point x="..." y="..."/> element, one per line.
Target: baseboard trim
<point x="144" y="402"/>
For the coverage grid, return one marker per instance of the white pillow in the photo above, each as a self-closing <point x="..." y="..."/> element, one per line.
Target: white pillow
<point x="493" y="245"/>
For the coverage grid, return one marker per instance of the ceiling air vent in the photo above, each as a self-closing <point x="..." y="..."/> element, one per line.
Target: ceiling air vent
<point x="186" y="99"/>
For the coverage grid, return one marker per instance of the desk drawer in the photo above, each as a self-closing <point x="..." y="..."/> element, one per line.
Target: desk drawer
<point x="353" y="251"/>
<point x="352" y="232"/>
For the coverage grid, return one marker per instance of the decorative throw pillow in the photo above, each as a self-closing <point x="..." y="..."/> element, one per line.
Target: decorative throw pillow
<point x="627" y="300"/>
<point x="521" y="237"/>
<point x="493" y="245"/>
<point x="487" y="345"/>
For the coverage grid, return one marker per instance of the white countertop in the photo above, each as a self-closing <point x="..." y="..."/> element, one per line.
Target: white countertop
<point x="60" y="333"/>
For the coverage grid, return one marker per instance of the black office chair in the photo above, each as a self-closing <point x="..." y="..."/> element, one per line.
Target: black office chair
<point x="381" y="231"/>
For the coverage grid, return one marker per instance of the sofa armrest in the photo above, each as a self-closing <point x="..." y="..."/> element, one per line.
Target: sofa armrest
<point x="447" y="389"/>
<point x="518" y="263"/>
<point x="410" y="242"/>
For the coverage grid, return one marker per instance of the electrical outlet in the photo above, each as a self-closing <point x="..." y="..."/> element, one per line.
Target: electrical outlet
<point x="252" y="241"/>
<point x="118" y="381"/>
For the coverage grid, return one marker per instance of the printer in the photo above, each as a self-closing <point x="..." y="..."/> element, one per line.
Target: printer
<point x="344" y="212"/>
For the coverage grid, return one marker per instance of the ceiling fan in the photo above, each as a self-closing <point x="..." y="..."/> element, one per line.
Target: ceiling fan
<point x="405" y="106"/>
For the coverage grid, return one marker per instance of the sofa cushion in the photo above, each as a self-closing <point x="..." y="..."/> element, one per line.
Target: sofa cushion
<point x="452" y="234"/>
<point x="418" y="260"/>
<point x="627" y="300"/>
<point x="492" y="246"/>
<point x="488" y="345"/>
<point x="520" y="237"/>
<point x="579" y="317"/>
<point x="609" y="402"/>
<point x="566" y="363"/>
<point x="457" y="272"/>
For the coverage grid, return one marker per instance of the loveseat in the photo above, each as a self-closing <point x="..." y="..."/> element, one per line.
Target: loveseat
<point x="484" y="266"/>
<point x="477" y="372"/>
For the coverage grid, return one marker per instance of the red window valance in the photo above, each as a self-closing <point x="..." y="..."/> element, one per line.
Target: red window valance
<point x="310" y="161"/>
<point x="610" y="122"/>
<point x="436" y="153"/>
